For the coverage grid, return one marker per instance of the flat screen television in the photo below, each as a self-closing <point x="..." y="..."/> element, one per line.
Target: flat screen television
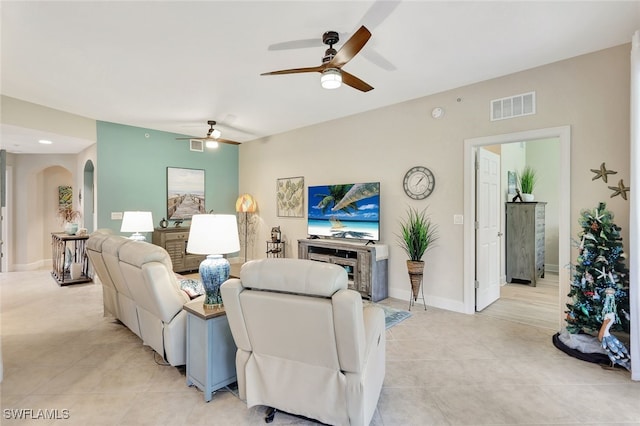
<point x="344" y="211"/>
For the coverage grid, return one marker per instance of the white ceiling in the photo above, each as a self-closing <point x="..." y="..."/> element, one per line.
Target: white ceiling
<point x="172" y="66"/>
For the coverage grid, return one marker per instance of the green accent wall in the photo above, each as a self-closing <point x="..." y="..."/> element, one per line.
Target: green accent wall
<point x="132" y="172"/>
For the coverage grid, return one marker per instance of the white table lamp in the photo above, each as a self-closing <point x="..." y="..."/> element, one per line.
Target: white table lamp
<point x="137" y="222"/>
<point x="213" y="235"/>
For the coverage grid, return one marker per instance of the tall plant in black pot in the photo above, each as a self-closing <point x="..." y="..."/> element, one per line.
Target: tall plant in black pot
<point x="417" y="235"/>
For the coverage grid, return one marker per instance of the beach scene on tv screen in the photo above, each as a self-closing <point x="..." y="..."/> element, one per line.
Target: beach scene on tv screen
<point x="345" y="211"/>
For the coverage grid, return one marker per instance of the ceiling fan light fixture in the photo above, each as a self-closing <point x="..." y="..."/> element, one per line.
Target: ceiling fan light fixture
<point x="331" y="78"/>
<point x="216" y="133"/>
<point x="212" y="144"/>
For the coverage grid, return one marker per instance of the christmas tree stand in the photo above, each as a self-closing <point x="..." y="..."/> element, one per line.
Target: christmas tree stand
<point x="594" y="355"/>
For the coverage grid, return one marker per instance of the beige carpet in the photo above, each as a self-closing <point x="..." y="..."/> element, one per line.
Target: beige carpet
<point x="521" y="303"/>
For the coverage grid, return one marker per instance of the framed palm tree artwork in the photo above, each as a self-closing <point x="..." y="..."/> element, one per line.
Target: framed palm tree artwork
<point x="290" y="197"/>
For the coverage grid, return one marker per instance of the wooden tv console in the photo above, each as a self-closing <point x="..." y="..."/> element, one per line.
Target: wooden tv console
<point x="366" y="265"/>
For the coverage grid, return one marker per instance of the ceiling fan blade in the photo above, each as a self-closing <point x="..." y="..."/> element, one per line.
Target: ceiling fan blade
<point x="355" y="82"/>
<point x="227" y="141"/>
<point x="186" y="139"/>
<point x="376" y="58"/>
<point x="296" y="44"/>
<point x="378" y="13"/>
<point x="350" y="48"/>
<point x="319" y="68"/>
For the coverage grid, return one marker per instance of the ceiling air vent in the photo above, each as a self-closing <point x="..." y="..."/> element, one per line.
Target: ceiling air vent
<point x="196" y="145"/>
<point x="513" y="106"/>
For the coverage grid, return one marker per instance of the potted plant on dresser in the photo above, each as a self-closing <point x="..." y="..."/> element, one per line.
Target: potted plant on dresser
<point x="527" y="181"/>
<point x="417" y="235"/>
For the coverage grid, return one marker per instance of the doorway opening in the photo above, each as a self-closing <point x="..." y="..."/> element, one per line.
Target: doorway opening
<point x="471" y="147"/>
<point x="517" y="243"/>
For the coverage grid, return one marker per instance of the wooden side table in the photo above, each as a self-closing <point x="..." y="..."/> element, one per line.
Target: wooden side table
<point x="211" y="351"/>
<point x="70" y="262"/>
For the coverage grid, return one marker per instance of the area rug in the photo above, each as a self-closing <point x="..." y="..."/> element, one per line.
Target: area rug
<point x="392" y="316"/>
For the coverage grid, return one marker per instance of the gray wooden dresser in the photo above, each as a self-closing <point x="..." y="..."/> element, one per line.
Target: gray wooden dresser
<point x="524" y="247"/>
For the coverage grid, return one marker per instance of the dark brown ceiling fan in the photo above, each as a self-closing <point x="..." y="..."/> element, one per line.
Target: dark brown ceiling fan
<point x="213" y="135"/>
<point x="333" y="61"/>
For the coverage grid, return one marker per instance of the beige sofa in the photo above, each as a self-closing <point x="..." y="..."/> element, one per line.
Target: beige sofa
<point x="305" y="344"/>
<point x="141" y="290"/>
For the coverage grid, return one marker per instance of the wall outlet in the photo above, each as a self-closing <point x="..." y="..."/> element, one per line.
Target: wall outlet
<point x="116" y="215"/>
<point x="458" y="219"/>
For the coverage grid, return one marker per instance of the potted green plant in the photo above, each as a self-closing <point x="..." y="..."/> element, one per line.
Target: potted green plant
<point x="417" y="235"/>
<point x="68" y="217"/>
<point x="527" y="181"/>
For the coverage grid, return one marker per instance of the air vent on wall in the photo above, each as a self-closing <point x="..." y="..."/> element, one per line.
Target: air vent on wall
<point x="513" y="106"/>
<point x="196" y="145"/>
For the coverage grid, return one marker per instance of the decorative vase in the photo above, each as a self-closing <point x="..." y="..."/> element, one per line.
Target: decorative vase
<point x="71" y="228"/>
<point x="214" y="270"/>
<point x="527" y="197"/>
<point x="75" y="271"/>
<point x="415" y="269"/>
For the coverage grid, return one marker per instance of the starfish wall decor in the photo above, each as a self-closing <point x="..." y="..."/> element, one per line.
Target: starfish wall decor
<point x="602" y="172"/>
<point x="620" y="190"/>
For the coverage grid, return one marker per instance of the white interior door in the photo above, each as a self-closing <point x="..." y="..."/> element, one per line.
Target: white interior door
<point x="487" y="228"/>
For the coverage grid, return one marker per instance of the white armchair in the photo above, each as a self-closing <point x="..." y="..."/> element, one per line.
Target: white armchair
<point x="305" y="344"/>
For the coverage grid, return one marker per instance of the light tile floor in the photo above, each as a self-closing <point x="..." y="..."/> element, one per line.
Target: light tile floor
<point x="443" y="368"/>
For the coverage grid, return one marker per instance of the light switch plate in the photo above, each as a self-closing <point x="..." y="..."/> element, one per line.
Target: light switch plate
<point x="116" y="215"/>
<point x="458" y="219"/>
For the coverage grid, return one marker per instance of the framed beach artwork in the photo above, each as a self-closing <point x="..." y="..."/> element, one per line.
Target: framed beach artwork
<point x="290" y="197"/>
<point x="185" y="193"/>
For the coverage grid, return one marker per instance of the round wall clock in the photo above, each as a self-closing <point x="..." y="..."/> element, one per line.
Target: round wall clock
<point x="419" y="182"/>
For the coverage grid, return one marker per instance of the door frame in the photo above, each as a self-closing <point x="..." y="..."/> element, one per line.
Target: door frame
<point x="563" y="133"/>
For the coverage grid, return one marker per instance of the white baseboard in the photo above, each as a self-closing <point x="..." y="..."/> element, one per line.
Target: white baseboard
<point x="20" y="267"/>
<point x="552" y="268"/>
<point x="436" y="302"/>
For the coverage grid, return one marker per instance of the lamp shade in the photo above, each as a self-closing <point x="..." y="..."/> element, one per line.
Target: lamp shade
<point x="213" y="234"/>
<point x="137" y="222"/>
<point x="246" y="204"/>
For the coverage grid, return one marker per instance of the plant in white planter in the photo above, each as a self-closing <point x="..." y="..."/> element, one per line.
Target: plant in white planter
<point x="527" y="181"/>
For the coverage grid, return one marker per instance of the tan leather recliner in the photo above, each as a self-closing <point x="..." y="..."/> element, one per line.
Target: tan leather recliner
<point x="305" y="344"/>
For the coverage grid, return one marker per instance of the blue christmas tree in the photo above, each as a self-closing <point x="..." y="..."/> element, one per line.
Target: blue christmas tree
<point x="600" y="266"/>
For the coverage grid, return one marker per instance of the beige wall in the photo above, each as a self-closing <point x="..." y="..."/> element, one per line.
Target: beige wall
<point x="590" y="93"/>
<point x="36" y="180"/>
<point x="37" y="117"/>
<point x="33" y="207"/>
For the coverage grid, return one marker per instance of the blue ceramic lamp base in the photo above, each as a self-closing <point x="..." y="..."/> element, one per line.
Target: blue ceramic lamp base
<point x="214" y="271"/>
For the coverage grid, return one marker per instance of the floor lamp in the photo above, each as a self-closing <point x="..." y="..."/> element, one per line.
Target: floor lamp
<point x="246" y="204"/>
